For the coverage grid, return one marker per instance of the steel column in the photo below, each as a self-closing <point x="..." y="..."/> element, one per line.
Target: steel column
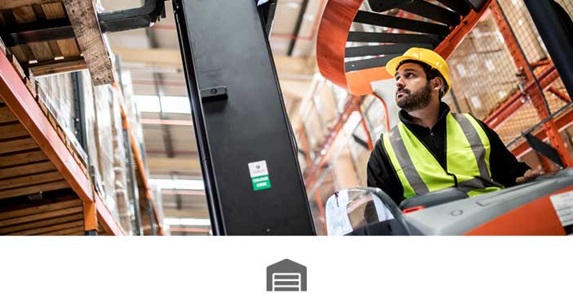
<point x="90" y="218"/>
<point x="240" y="118"/>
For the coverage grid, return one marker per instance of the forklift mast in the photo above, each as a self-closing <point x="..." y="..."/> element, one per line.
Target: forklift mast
<point x="247" y="149"/>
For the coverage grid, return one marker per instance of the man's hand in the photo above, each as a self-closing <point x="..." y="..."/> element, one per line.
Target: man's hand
<point x="528" y="175"/>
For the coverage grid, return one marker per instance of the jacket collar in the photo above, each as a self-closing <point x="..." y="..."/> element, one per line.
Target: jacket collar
<point x="407" y="119"/>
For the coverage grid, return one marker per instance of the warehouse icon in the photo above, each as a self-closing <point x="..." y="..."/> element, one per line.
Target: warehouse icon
<point x="286" y="275"/>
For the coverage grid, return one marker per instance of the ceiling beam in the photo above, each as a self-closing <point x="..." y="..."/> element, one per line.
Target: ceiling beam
<point x="297" y="66"/>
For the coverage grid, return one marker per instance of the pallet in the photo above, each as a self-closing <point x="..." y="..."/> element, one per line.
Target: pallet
<point x="24" y="168"/>
<point x="42" y="98"/>
<point x="65" y="135"/>
<point x="53" y="215"/>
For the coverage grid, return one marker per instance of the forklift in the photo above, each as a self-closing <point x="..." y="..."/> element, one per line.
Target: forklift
<point x="247" y="148"/>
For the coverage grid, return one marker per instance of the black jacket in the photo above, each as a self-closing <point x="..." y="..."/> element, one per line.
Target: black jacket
<point x="503" y="165"/>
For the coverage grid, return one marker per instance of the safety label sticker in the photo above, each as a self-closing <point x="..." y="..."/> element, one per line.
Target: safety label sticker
<point x="259" y="175"/>
<point x="563" y="204"/>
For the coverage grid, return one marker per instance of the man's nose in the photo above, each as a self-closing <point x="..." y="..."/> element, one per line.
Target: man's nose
<point x="400" y="83"/>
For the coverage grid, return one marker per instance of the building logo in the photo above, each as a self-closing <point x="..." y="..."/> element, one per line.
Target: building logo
<point x="286" y="275"/>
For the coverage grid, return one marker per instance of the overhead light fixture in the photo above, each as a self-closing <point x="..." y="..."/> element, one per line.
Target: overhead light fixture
<point x="175" y="221"/>
<point x="293" y="4"/>
<point x="177" y="184"/>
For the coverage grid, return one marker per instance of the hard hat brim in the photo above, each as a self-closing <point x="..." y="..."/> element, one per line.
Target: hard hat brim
<point x="392" y="65"/>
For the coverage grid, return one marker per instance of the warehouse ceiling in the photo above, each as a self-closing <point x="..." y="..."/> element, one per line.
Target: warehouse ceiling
<point x="152" y="74"/>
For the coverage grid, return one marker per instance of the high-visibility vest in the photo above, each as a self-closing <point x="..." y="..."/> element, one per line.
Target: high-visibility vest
<point x="467" y="152"/>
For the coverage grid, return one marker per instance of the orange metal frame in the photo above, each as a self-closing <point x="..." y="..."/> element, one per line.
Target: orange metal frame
<point x="562" y="122"/>
<point x="512" y="104"/>
<point x="559" y="95"/>
<point x="535" y="218"/>
<point x="19" y="99"/>
<point x="333" y="32"/>
<point x="110" y="223"/>
<point x="331" y="39"/>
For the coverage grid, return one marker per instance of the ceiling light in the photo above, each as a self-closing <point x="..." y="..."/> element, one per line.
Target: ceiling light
<point x="173" y="221"/>
<point x="293" y="5"/>
<point x="178" y="184"/>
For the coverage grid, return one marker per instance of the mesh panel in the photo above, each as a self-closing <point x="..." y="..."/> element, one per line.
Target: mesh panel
<point x="484" y="75"/>
<point x="530" y="42"/>
<point x="482" y="70"/>
<point x="522" y="25"/>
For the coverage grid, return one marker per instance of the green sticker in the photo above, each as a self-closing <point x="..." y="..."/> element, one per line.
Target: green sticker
<point x="261" y="183"/>
<point x="259" y="175"/>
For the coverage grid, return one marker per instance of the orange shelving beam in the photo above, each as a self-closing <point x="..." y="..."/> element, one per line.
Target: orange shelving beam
<point x="19" y="99"/>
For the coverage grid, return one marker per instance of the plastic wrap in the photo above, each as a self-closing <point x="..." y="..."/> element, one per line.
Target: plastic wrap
<point x="120" y="165"/>
<point x="104" y="143"/>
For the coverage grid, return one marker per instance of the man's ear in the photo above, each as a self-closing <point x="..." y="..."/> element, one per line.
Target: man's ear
<point x="437" y="83"/>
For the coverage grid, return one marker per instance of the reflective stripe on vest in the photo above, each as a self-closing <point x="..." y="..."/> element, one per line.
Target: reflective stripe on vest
<point x="467" y="150"/>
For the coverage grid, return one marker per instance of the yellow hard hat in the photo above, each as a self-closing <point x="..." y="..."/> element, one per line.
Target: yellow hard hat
<point x="427" y="56"/>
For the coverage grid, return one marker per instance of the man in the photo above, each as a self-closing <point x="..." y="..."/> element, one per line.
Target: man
<point x="431" y="148"/>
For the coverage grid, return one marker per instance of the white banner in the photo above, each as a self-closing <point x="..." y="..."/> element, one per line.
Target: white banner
<point x="306" y="264"/>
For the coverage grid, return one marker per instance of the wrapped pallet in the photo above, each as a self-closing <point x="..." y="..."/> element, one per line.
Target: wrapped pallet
<point x="120" y="165"/>
<point x="57" y="97"/>
<point x="66" y="99"/>
<point x="90" y="119"/>
<point x="111" y="153"/>
<point x="104" y="146"/>
<point x="132" y="114"/>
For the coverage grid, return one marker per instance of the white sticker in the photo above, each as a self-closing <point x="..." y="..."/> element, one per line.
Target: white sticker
<point x="258" y="168"/>
<point x="563" y="204"/>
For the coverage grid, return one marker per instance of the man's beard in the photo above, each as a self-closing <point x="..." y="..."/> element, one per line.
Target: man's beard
<point x="416" y="100"/>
